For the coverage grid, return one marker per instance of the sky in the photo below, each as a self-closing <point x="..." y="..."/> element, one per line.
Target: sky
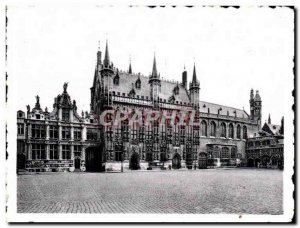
<point x="233" y="50"/>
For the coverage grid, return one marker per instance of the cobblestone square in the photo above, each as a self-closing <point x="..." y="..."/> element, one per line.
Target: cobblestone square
<point x="234" y="191"/>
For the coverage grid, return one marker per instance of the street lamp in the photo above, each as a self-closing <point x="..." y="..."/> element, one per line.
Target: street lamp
<point x="122" y="161"/>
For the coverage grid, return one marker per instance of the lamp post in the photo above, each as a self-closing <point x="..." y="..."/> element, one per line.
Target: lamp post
<point x="122" y="157"/>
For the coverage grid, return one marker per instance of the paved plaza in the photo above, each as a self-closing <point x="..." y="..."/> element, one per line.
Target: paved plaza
<point x="237" y="191"/>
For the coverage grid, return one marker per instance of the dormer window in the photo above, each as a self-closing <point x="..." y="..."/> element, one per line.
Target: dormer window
<point x="116" y="80"/>
<point x="38" y="116"/>
<point x="138" y="83"/>
<point x="176" y="90"/>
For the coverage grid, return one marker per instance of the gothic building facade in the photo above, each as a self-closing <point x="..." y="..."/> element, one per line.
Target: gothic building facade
<point x="266" y="148"/>
<point x="211" y="134"/>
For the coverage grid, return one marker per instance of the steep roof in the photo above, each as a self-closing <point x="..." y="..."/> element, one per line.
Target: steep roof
<point x="167" y="87"/>
<point x="271" y="128"/>
<point x="213" y="108"/>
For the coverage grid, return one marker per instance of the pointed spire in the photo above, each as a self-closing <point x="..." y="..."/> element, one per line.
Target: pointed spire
<point x="154" y="70"/>
<point x="98" y="55"/>
<point x="130" y="70"/>
<point x="194" y="75"/>
<point x="269" y="119"/>
<point x="106" y="57"/>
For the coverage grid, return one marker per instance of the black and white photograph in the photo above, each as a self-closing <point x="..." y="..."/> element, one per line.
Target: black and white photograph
<point x="141" y="113"/>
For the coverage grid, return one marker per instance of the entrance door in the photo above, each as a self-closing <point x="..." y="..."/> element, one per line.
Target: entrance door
<point x="176" y="162"/>
<point x="93" y="159"/>
<point x="21" y="160"/>
<point x="134" y="161"/>
<point x="250" y="162"/>
<point x="77" y="163"/>
<point x="202" y="161"/>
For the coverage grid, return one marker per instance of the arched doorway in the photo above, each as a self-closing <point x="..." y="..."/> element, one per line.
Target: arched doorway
<point x="176" y="162"/>
<point x="134" y="161"/>
<point x="202" y="161"/>
<point x="265" y="160"/>
<point x="77" y="163"/>
<point x="250" y="162"/>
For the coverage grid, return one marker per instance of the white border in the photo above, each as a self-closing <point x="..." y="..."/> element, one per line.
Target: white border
<point x="10" y="117"/>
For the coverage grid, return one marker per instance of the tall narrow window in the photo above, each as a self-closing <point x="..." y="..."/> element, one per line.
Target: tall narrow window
<point x="77" y="134"/>
<point x="20" y="129"/>
<point x="238" y="131"/>
<point x="245" y="135"/>
<point x="53" y="132"/>
<point x="231" y="132"/>
<point x="66" y="133"/>
<point x="38" y="131"/>
<point x="53" y="152"/>
<point x="213" y="129"/>
<point x="38" y="152"/>
<point x="66" y="152"/>
<point x="203" y="128"/>
<point x="65" y="114"/>
<point x="223" y="130"/>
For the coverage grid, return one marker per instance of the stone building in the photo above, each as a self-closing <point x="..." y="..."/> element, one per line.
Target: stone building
<point x="212" y="134"/>
<point x="60" y="140"/>
<point x="266" y="147"/>
<point x="218" y="138"/>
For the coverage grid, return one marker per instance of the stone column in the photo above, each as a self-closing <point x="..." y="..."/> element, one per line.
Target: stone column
<point x="59" y="113"/>
<point x="83" y="133"/>
<point x="29" y="151"/>
<point x="72" y="133"/>
<point x="71" y="115"/>
<point x="47" y="131"/>
<point x="47" y="152"/>
<point x="59" y="132"/>
<point x="82" y="153"/>
<point x="29" y="131"/>
<point x="72" y="152"/>
<point x="60" y="152"/>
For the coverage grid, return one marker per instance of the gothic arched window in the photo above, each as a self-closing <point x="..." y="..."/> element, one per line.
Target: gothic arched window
<point x="203" y="128"/>
<point x="213" y="129"/>
<point x="238" y="131"/>
<point x="223" y="130"/>
<point x="231" y="132"/>
<point x="245" y="135"/>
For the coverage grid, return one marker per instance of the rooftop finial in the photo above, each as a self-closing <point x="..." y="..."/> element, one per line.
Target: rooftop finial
<point x="65" y="87"/>
<point x="130" y="69"/>
<point x="154" y="69"/>
<point x="194" y="74"/>
<point x="106" y="57"/>
<point x="269" y="119"/>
